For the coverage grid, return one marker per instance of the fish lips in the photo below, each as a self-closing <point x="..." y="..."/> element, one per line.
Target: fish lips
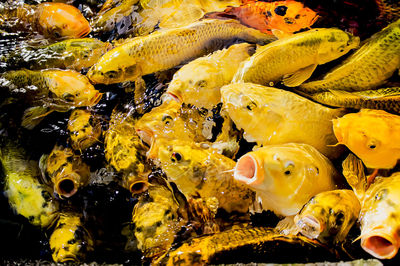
<point x="248" y="170"/>
<point x="381" y="245"/>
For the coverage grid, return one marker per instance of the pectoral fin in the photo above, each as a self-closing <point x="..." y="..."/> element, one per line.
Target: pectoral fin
<point x="353" y="171"/>
<point x="298" y="77"/>
<point x="33" y="116"/>
<point x="287" y="226"/>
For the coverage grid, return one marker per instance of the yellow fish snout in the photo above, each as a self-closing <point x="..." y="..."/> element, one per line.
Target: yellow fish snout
<point x="247" y="170"/>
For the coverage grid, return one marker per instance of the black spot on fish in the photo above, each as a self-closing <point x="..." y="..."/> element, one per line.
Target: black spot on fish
<point x="71" y="241"/>
<point x="269" y="14"/>
<point x="339" y="218"/>
<point x="297" y="16"/>
<point x="281" y="10"/>
<point x="44" y="205"/>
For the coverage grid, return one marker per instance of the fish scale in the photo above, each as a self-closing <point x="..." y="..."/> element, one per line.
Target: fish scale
<point x="367" y="68"/>
<point x="169" y="48"/>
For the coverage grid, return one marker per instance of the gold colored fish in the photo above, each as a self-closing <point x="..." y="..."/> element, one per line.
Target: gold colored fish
<point x="199" y="81"/>
<point x="285" y="176"/>
<point x="75" y="54"/>
<point x="70" y="241"/>
<point x="387" y="99"/>
<point x="256" y="244"/>
<point x="273" y="116"/>
<point x="166" y="49"/>
<point x="67" y="171"/>
<point x="84" y="129"/>
<point x="53" y="20"/>
<point x="48" y="91"/>
<point x="295" y="58"/>
<point x="157" y="220"/>
<point x="329" y="216"/>
<point x="203" y="173"/>
<point x="380" y="213"/>
<point x="369" y="67"/>
<point x="125" y="152"/>
<point x="26" y="195"/>
<point x="371" y="135"/>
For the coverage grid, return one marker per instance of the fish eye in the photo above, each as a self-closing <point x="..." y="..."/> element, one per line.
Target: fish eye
<point x="112" y="74"/>
<point x="166" y="119"/>
<point x="68" y="97"/>
<point x="251" y="106"/>
<point x="176" y="157"/>
<point x="280" y="10"/>
<point x="289" y="166"/>
<point x="372" y="144"/>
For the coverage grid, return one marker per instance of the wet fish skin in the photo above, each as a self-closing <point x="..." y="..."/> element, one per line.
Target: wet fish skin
<point x="70" y="241"/>
<point x="379" y="215"/>
<point x="75" y="54"/>
<point x="285" y="176"/>
<point x="294" y="58"/>
<point x="328" y="216"/>
<point x="387" y="99"/>
<point x="203" y="173"/>
<point x="84" y="129"/>
<point x="26" y="195"/>
<point x="199" y="81"/>
<point x="369" y="67"/>
<point x="290" y="117"/>
<point x="163" y="50"/>
<point x="376" y="148"/>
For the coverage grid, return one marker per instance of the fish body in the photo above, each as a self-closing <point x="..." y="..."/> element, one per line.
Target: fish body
<point x="84" y="129"/>
<point x="247" y="244"/>
<point x="281" y="18"/>
<point x="285" y="176"/>
<point x="294" y="58"/>
<point x="67" y="171"/>
<point x="274" y="116"/>
<point x="157" y="220"/>
<point x="109" y="16"/>
<point x="369" y="67"/>
<point x="166" y="49"/>
<point x="203" y="173"/>
<point x="75" y="54"/>
<point x="26" y="195"/>
<point x="70" y="241"/>
<point x="124" y="150"/>
<point x="52" y="20"/>
<point x="329" y="215"/>
<point x="199" y="81"/>
<point x="371" y="135"/>
<point x="379" y="215"/>
<point x="387" y="99"/>
<point x="49" y="90"/>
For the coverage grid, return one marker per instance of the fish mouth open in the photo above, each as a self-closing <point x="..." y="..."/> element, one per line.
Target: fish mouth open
<point x="97" y="98"/>
<point x="246" y="170"/>
<point x="66" y="187"/>
<point x="145" y="135"/>
<point x="138" y="187"/>
<point x="380" y="245"/>
<point x="309" y="227"/>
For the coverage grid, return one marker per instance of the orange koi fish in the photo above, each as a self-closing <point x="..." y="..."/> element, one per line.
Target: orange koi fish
<point x="280" y="18"/>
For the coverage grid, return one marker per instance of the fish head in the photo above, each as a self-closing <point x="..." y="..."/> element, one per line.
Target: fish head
<point x="58" y="20"/>
<point x="328" y="215"/>
<point x="359" y="133"/>
<point x="115" y="66"/>
<point x="380" y="221"/>
<point x="84" y="129"/>
<point x="70" y="240"/>
<point x="194" y="83"/>
<point x="160" y="120"/>
<point x="280" y="170"/>
<point x="73" y="89"/>
<point x="337" y="43"/>
<point x="183" y="164"/>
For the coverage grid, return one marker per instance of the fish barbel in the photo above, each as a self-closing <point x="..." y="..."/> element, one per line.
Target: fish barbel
<point x="295" y="58"/>
<point x="274" y="116"/>
<point x="163" y="50"/>
<point x="369" y="67"/>
<point x="285" y="176"/>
